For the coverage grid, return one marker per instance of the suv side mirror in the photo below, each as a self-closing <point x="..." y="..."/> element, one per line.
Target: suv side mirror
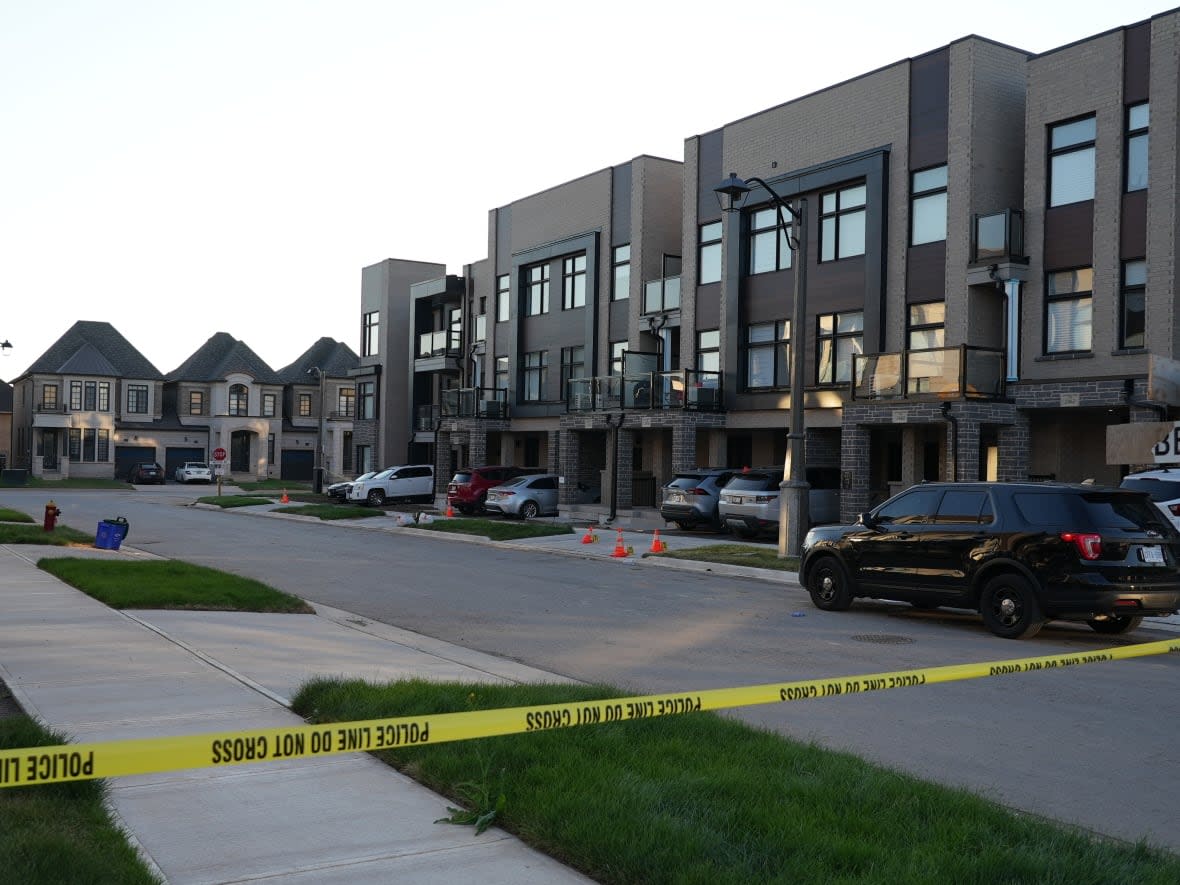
<point x="866" y="519"/>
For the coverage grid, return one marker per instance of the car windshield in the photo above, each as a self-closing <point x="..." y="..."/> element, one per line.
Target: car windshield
<point x="197" y="465"/>
<point x="752" y="482"/>
<point x="519" y="481"/>
<point x="1159" y="489"/>
<point x="365" y="476"/>
<point x="462" y="477"/>
<point x="385" y="474"/>
<point x="685" y="482"/>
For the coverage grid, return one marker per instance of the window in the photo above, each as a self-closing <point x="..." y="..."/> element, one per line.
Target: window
<point x="369" y="341"/>
<point x="75" y="444"/>
<point x="1071" y="162"/>
<point x="270" y="448"/>
<point x="104" y="396"/>
<point x="928" y="206"/>
<point x="768" y="355"/>
<point x="49" y="397"/>
<point x="573" y="282"/>
<point x="268" y="405"/>
<point x="840" y="338"/>
<point x="104" y="446"/>
<point x="709" y="253"/>
<point x="573" y="365"/>
<point x="709" y="351"/>
<point x="502" y="292"/>
<point x="237" y="399"/>
<point x="536" y="370"/>
<point x="770" y="247"/>
<point x="364" y="459"/>
<point x="346" y="402"/>
<point x="367" y="401"/>
<point x="305" y="405"/>
<point x="1069" y="310"/>
<point x="538" y="293"/>
<point x="1132" y="330"/>
<point x="75" y="396"/>
<point x="89" y="444"/>
<point x="90" y="396"/>
<point x="481" y="327"/>
<point x="196" y="402"/>
<point x="617" y="349"/>
<point x="501" y="373"/>
<point x="842" y="223"/>
<point x="137" y="399"/>
<point x="621" y="262"/>
<point x="1138" y="116"/>
<point x="346" y="451"/>
<point x="927" y="326"/>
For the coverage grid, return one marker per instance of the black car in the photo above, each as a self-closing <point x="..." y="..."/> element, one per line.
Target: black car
<point x="147" y="472"/>
<point x="1018" y="553"/>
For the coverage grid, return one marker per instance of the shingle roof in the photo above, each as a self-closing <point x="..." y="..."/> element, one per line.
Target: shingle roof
<point x="334" y="358"/>
<point x="94" y="348"/>
<point x="222" y="356"/>
<point x="5" y="396"/>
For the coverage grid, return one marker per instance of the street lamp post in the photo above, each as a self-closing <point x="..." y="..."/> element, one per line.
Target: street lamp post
<point x="793" y="490"/>
<point x="318" y="479"/>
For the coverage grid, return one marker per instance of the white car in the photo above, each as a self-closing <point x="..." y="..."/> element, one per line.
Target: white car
<point x="194" y="471"/>
<point x="411" y="482"/>
<point x="1163" y="485"/>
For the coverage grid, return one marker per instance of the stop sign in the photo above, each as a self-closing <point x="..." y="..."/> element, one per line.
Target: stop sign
<point x="219" y="454"/>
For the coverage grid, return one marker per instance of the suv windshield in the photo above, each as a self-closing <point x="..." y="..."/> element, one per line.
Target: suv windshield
<point x="1159" y="489"/>
<point x="752" y="482"/>
<point x="685" y="482"/>
<point x="462" y="477"/>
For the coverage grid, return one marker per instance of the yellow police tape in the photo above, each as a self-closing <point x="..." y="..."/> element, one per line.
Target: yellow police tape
<point x="43" y="765"/>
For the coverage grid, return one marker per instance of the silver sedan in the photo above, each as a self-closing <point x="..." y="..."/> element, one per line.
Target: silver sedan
<point x="525" y="496"/>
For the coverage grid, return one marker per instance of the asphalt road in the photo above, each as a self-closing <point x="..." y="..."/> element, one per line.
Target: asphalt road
<point x="1092" y="745"/>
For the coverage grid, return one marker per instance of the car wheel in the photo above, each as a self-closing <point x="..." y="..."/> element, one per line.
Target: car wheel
<point x="828" y="585"/>
<point x="465" y="509"/>
<point x="741" y="532"/>
<point x="376" y="497"/>
<point x="529" y="510"/>
<point x="682" y="525"/>
<point x="1115" y="624"/>
<point x="1009" y="608"/>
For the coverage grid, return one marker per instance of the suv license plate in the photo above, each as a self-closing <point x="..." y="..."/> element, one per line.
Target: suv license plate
<point x="1152" y="554"/>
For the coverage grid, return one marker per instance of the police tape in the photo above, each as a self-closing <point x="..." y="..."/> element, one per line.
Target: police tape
<point x="43" y="765"/>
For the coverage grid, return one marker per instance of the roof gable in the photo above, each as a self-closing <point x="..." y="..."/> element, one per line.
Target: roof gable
<point x="333" y="358"/>
<point x="221" y="356"/>
<point x="94" y="348"/>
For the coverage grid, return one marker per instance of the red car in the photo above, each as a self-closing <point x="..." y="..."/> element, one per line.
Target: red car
<point x="468" y="489"/>
<point x="146" y="473"/>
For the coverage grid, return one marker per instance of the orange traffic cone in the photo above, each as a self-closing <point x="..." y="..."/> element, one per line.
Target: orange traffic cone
<point x="620" y="551"/>
<point x="284" y="499"/>
<point x="657" y="546"/>
<point x="589" y="537"/>
<point x="450" y="511"/>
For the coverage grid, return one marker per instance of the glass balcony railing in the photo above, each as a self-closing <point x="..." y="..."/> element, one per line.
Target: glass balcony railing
<point x="444" y="343"/>
<point x="942" y="373"/>
<point x="998" y="237"/>
<point x="474" y="402"/>
<point x="679" y="389"/>
<point x="661" y="295"/>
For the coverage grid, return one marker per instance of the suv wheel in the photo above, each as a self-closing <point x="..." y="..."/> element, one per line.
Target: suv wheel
<point x="376" y="497"/>
<point x="529" y="510"/>
<point x="1115" y="624"/>
<point x="1009" y="608"/>
<point x="828" y="585"/>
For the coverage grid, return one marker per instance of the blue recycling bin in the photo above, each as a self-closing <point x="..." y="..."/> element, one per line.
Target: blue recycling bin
<point x="111" y="533"/>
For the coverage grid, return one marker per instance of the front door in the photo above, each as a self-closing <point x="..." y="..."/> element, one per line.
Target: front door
<point x="239" y="451"/>
<point x="50" y="448"/>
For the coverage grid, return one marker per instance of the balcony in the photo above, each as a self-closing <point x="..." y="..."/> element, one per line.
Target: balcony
<point x="660" y="296"/>
<point x="683" y="389"/>
<point x="439" y="351"/>
<point x="963" y="372"/>
<point x="488" y="403"/>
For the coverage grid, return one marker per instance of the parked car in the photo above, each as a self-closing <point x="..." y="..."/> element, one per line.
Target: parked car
<point x="1162" y="485"/>
<point x="411" y="482"/>
<point x="749" y="504"/>
<point x="146" y="472"/>
<point x="340" y="489"/>
<point x="1018" y="553"/>
<point x="468" y="488"/>
<point x="690" y="499"/>
<point x="194" y="471"/>
<point x="525" y="496"/>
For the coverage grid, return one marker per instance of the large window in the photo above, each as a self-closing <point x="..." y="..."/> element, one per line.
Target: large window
<point x="369" y="341"/>
<point x="346" y="451"/>
<point x="928" y="206"/>
<point x="573" y="365"/>
<point x="89" y="444"/>
<point x="840" y="338"/>
<point x="305" y="405"/>
<point x="501" y="373"/>
<point x="1071" y="162"/>
<point x="926" y="326"/>
<point x="1069" y="307"/>
<point x="709" y="350"/>
<point x="535" y="374"/>
<point x="573" y="282"/>
<point x="1133" y="326"/>
<point x="346" y="403"/>
<point x="196" y="402"/>
<point x="268" y="405"/>
<point x="366" y="400"/>
<point x="770" y="246"/>
<point x="842" y="223"/>
<point x="709" y="253"/>
<point x="90" y="396"/>
<point x="137" y="399"/>
<point x="621" y="262"/>
<point x="538" y="291"/>
<point x="768" y="355"/>
<point x="503" y="290"/>
<point x="238" y="399"/>
<point x="104" y="396"/>
<point x="49" y="397"/>
<point x="617" y="349"/>
<point x="75" y="396"/>
<point x="1138" y="116"/>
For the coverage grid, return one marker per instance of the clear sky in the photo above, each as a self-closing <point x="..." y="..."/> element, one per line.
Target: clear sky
<point x="180" y="169"/>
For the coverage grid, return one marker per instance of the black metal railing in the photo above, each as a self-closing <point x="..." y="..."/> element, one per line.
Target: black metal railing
<point x="679" y="389"/>
<point x="942" y="373"/>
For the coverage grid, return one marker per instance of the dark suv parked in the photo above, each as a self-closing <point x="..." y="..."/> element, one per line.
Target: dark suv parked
<point x="468" y="489"/>
<point x="1018" y="553"/>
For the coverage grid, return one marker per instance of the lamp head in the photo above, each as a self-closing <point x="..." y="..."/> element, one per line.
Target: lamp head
<point x="731" y="193"/>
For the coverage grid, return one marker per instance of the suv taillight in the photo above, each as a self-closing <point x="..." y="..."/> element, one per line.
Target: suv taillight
<point x="1174" y="509"/>
<point x="766" y="499"/>
<point x="697" y="490"/>
<point x="1089" y="544"/>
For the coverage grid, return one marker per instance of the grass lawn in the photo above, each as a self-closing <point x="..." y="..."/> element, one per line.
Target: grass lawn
<point x="7" y="515"/>
<point x="497" y="529"/>
<point x="704" y="799"/>
<point x="736" y="554"/>
<point x="170" y="584"/>
<point x="62" y="536"/>
<point x="59" y="833"/>
<point x="330" y="511"/>
<point x="76" y="483"/>
<point x="277" y="485"/>
<point x="228" y="501"/>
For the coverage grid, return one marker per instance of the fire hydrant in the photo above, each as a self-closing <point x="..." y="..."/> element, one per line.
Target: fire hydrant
<point x="52" y="512"/>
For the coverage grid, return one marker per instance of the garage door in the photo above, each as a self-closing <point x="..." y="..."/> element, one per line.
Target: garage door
<point x="297" y="464"/>
<point x="125" y="456"/>
<point x="175" y="456"/>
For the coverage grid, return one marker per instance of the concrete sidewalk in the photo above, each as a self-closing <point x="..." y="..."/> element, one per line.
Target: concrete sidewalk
<point x="98" y="674"/>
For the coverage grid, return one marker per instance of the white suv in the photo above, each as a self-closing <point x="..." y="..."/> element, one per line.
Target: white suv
<point x="1163" y="485"/>
<point x="413" y="482"/>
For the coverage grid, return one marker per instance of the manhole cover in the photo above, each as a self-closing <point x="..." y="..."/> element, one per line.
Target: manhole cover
<point x="883" y="638"/>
